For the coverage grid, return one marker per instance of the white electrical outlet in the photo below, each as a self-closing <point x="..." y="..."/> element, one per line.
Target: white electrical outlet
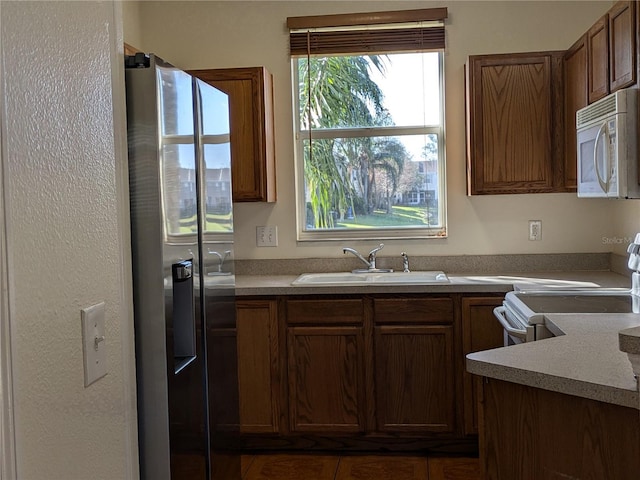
<point x="267" y="236"/>
<point x="94" y="347"/>
<point x="535" y="230"/>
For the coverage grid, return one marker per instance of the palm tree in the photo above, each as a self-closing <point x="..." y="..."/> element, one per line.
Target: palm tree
<point x="389" y="159"/>
<point x="339" y="92"/>
<point x="342" y="92"/>
<point x="372" y="157"/>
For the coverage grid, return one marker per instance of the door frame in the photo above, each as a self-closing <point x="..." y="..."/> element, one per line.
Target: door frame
<point x="7" y="425"/>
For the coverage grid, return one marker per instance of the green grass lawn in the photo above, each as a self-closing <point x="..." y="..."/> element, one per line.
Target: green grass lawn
<point x="214" y="223"/>
<point x="401" y="216"/>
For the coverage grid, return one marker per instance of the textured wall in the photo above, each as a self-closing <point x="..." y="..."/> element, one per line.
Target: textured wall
<point x="67" y="226"/>
<point x="236" y="34"/>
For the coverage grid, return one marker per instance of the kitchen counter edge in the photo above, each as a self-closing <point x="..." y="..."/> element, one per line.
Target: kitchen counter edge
<point x="269" y="285"/>
<point x="583" y="361"/>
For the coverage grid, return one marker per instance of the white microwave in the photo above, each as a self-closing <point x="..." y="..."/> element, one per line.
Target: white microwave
<point x="607" y="147"/>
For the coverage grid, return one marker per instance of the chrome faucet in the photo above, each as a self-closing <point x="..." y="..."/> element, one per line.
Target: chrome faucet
<point x="221" y="259"/>
<point x="405" y="262"/>
<point x="355" y="252"/>
<point x="371" y="262"/>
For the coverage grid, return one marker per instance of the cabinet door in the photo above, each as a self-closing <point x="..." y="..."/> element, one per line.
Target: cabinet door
<point x="414" y="378"/>
<point x="480" y="331"/>
<point x="326" y="379"/>
<point x="622" y="45"/>
<point x="576" y="96"/>
<point x="514" y="121"/>
<point x="598" y="66"/>
<point x="250" y="93"/>
<point x="257" y="337"/>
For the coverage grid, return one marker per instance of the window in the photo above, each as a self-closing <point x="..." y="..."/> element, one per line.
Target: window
<point x="369" y="127"/>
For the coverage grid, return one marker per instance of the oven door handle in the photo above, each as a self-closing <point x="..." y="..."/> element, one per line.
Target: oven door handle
<point x="499" y="314"/>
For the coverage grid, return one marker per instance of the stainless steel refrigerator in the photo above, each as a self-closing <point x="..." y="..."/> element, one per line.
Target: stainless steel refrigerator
<point x="184" y="283"/>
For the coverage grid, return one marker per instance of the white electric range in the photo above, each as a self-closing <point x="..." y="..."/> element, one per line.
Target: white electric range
<point x="522" y="312"/>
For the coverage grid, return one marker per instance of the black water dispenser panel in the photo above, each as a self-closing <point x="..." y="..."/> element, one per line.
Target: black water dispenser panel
<point x="184" y="325"/>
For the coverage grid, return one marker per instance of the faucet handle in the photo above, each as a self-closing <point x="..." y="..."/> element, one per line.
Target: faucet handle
<point x="221" y="257"/>
<point x="377" y="249"/>
<point x="405" y="262"/>
<point x="372" y="256"/>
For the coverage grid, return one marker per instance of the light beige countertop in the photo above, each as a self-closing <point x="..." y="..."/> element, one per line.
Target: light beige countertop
<point x="266" y="285"/>
<point x="584" y="360"/>
<point x="630" y="340"/>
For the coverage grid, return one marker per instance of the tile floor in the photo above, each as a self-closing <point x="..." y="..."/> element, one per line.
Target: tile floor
<point x="378" y="467"/>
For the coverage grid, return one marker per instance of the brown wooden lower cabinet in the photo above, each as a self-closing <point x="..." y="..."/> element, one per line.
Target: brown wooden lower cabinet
<point x="531" y="434"/>
<point x="480" y="331"/>
<point x="342" y="369"/>
<point x="414" y="378"/>
<point x="326" y="379"/>
<point x="258" y="373"/>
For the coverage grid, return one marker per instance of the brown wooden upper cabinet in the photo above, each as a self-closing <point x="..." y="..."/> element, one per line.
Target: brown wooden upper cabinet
<point x="598" y="59"/>
<point x="130" y="50"/>
<point x="250" y="93"/>
<point x="576" y="96"/>
<point x="600" y="62"/>
<point x="622" y="45"/>
<point x="515" y="135"/>
<point x="611" y="49"/>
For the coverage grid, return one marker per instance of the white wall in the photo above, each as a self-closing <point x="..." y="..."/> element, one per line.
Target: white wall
<point x="626" y="223"/>
<point x="64" y="163"/>
<point x="131" y="22"/>
<point x="233" y="34"/>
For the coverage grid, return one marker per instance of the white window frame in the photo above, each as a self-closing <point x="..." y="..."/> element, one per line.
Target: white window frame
<point x="300" y="136"/>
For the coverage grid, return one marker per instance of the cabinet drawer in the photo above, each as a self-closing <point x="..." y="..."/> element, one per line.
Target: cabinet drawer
<point x="330" y="311"/>
<point x="413" y="310"/>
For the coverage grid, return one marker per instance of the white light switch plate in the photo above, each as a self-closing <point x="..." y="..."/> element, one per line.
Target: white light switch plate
<point x="94" y="347"/>
<point x="267" y="236"/>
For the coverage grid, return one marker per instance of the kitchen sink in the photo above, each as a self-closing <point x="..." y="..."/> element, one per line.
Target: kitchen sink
<point x="390" y="278"/>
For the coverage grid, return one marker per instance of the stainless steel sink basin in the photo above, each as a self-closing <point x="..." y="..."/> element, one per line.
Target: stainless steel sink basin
<point x="392" y="278"/>
<point x="434" y="276"/>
